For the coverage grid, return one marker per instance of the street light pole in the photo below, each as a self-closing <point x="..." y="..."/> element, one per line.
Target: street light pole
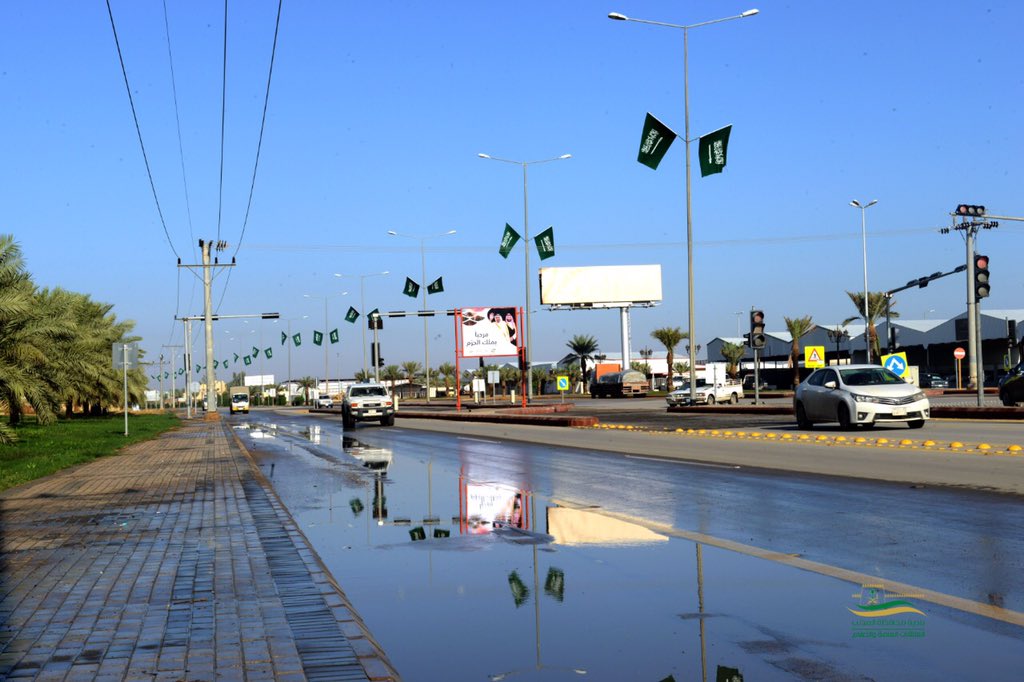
<point x="686" y="140"/>
<point x="362" y="306"/>
<point x="526" y="251"/>
<point x="864" y="246"/>
<point x="423" y="263"/>
<point x="327" y="374"/>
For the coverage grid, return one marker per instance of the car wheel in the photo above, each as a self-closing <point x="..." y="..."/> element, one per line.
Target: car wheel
<point x="387" y="420"/>
<point x="711" y="399"/>
<point x="347" y="421"/>
<point x="844" y="418"/>
<point x="1007" y="400"/>
<point x="733" y="399"/>
<point x="916" y="424"/>
<point x="802" y="422"/>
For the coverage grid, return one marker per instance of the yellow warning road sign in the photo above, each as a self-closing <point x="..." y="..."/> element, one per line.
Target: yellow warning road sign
<point x="814" y="356"/>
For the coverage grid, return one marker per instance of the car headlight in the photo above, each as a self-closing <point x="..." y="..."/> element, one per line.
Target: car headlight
<point x="919" y="396"/>
<point x="857" y="397"/>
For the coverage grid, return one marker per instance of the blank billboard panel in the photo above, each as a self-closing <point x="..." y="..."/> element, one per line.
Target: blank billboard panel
<point x="600" y="285"/>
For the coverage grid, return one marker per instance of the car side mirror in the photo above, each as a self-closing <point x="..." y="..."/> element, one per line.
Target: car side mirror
<point x="830" y="384"/>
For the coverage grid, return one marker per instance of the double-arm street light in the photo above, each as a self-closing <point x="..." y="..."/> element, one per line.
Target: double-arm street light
<point x="526" y="251"/>
<point x="325" y="299"/>
<point x="362" y="309"/>
<point x="423" y="261"/>
<point x="686" y="140"/>
<point x="864" y="246"/>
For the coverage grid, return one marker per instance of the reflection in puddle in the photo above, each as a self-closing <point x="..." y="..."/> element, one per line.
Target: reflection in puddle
<point x="517" y="585"/>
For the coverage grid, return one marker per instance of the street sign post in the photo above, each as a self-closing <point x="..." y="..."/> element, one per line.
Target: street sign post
<point x="959" y="353"/>
<point x="562" y="382"/>
<point x="125" y="356"/>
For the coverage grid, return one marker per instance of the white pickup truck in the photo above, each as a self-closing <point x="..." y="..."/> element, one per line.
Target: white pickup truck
<point x="707" y="394"/>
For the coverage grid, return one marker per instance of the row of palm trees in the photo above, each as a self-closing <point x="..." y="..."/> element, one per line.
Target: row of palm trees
<point x="55" y="349"/>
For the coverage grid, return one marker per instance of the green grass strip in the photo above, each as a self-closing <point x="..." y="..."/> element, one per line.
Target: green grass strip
<point x="43" y="450"/>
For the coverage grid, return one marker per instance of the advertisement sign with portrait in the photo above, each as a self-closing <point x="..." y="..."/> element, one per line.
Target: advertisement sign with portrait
<point x="489" y="332"/>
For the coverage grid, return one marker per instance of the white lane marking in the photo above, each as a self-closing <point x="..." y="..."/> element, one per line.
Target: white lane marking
<point x="479" y="440"/>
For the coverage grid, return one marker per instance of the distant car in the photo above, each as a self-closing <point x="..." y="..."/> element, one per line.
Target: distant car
<point x="859" y="395"/>
<point x="931" y="380"/>
<point x="368" y="401"/>
<point x="1011" y="386"/>
<point x="324" y="402"/>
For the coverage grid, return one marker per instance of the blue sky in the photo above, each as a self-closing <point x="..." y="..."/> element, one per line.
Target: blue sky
<point x="377" y="113"/>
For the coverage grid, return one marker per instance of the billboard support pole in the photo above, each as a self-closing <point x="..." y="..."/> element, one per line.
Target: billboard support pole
<point x="624" y="324"/>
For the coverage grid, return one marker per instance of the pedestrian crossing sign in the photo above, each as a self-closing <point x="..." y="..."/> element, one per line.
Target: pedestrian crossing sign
<point x="814" y="357"/>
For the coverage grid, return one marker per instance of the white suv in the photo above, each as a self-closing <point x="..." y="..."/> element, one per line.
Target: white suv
<point x="324" y="402"/>
<point x="368" y="401"/>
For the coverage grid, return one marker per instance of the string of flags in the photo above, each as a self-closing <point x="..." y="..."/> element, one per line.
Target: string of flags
<point x="545" y="242"/>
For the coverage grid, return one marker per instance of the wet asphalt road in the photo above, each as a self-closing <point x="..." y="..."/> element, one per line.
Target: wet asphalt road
<point x="633" y="593"/>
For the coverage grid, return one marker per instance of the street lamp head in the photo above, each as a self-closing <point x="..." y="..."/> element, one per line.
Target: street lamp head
<point x="450" y="232"/>
<point x="386" y="272"/>
<point x="617" y="17"/>
<point x="871" y="203"/>
<point x="750" y="13"/>
<point x="565" y="156"/>
<point x="855" y="204"/>
<point x="484" y="156"/>
<point x="392" y="233"/>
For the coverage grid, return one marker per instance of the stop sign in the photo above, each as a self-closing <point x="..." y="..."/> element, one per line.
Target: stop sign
<point x="959" y="353"/>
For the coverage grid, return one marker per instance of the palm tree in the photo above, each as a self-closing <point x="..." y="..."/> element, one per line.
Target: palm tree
<point x="733" y="353"/>
<point x="360" y="375"/>
<point x="307" y="383"/>
<point x="411" y="370"/>
<point x="876" y="309"/>
<point x="670" y="337"/>
<point x="446" y="371"/>
<point x="584" y="347"/>
<point x="540" y="377"/>
<point x="392" y="373"/>
<point x="798" y="327"/>
<point x="510" y="377"/>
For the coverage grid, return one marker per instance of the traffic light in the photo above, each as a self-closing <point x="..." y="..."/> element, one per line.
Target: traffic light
<point x="981" y="287"/>
<point x="757" y="338"/>
<point x="970" y="210"/>
<point x="375" y="359"/>
<point x="894" y="339"/>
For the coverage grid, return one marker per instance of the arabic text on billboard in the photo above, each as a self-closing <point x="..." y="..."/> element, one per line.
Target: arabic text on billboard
<point x="489" y="332"/>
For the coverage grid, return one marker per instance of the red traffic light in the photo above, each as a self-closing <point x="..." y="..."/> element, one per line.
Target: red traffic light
<point x="971" y="210"/>
<point x="981" y="262"/>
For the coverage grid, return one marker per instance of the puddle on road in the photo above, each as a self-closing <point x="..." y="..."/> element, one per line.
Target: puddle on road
<point x="462" y="574"/>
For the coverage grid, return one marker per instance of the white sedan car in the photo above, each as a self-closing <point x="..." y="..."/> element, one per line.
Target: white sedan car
<point x="858" y="394"/>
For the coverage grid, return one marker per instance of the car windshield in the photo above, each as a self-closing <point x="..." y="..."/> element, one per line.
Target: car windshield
<point x="869" y="376"/>
<point x="368" y="390"/>
<point x="239" y="398"/>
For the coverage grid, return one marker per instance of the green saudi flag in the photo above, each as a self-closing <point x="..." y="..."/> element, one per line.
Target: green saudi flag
<point x="236" y="356"/>
<point x="545" y="242"/>
<point x="255" y="352"/>
<point x="318" y="338"/>
<point x="411" y="289"/>
<point x="181" y="371"/>
<point x="654" y="142"/>
<point x="436" y="287"/>
<point x="508" y="241"/>
<point x="334" y="336"/>
<point x="216" y="365"/>
<point x="269" y="352"/>
<point x="352" y="315"/>
<point x="712" y="150"/>
<point x="199" y="369"/>
<point x="248" y="359"/>
<point x="297" y="339"/>
<point x="225" y="363"/>
<point x="284" y="338"/>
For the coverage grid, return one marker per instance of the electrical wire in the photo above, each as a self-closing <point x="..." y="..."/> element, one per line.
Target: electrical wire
<point x="223" y="113"/>
<point x="263" y="123"/>
<point x="138" y="130"/>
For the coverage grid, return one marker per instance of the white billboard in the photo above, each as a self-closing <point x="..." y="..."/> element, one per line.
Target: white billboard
<point x="259" y="380"/>
<point x="489" y="332"/>
<point x="600" y="286"/>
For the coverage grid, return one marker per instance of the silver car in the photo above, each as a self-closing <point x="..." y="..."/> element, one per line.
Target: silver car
<point x="858" y="394"/>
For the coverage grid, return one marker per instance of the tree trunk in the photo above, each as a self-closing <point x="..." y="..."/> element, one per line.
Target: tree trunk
<point x="69" y="408"/>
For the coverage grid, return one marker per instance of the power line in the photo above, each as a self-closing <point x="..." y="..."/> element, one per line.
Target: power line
<point x="263" y="123"/>
<point x="223" y="110"/>
<point x="138" y="129"/>
<point x="177" y="119"/>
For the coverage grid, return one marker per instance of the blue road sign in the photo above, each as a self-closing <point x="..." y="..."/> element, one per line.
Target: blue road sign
<point x="896" y="363"/>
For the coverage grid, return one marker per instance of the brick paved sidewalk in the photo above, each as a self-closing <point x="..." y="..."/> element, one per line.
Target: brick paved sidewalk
<point x="172" y="561"/>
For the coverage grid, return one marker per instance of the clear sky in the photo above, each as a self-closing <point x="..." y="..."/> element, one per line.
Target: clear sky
<point x="378" y="110"/>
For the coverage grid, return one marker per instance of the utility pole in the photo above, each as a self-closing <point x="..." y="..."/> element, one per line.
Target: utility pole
<point x="160" y="380"/>
<point x="206" y="266"/>
<point x="174" y="370"/>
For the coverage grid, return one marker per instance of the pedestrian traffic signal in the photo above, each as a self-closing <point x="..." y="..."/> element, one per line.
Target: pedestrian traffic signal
<point x="970" y="210"/>
<point x="981" y="286"/>
<point x="757" y="337"/>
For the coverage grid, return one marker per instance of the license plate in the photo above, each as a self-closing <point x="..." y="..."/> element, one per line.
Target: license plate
<point x="372" y="413"/>
<point x="899" y="412"/>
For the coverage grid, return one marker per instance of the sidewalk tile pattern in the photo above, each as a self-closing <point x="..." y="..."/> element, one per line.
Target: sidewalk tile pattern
<point x="172" y="561"/>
